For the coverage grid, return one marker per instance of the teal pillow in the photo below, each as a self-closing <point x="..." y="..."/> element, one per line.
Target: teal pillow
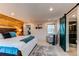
<point x="12" y="34"/>
<point x="26" y="40"/>
<point x="9" y="35"/>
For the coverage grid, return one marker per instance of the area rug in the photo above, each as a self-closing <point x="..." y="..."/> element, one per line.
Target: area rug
<point x="44" y="51"/>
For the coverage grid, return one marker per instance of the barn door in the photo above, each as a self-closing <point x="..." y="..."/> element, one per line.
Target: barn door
<point x="63" y="32"/>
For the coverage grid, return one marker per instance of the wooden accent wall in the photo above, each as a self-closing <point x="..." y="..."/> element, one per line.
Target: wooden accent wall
<point x="7" y="21"/>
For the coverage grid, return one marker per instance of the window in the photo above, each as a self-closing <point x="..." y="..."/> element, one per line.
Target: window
<point x="51" y="29"/>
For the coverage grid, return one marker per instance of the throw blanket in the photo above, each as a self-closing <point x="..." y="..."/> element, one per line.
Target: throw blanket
<point x="8" y="51"/>
<point x="26" y="40"/>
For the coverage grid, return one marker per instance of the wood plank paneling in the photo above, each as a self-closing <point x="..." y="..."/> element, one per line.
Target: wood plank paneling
<point x="7" y="21"/>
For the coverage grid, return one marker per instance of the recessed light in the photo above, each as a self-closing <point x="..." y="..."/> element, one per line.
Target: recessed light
<point x="74" y="16"/>
<point x="12" y="13"/>
<point x="51" y="9"/>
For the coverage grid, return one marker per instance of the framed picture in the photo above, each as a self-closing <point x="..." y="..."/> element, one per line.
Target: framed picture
<point x="28" y="28"/>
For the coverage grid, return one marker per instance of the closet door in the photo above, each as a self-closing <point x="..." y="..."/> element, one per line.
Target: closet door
<point x="63" y="32"/>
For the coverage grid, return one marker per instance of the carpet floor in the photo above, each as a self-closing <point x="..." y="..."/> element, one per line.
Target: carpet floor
<point x="48" y="51"/>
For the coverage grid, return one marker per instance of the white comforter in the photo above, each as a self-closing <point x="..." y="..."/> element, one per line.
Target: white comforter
<point x="25" y="48"/>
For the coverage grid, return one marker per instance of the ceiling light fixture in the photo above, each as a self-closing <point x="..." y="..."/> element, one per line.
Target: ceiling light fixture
<point x="51" y="9"/>
<point x="73" y="16"/>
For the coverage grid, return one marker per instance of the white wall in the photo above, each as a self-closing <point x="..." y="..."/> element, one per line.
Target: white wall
<point x="58" y="29"/>
<point x="38" y="33"/>
<point x="78" y="30"/>
<point x="67" y="34"/>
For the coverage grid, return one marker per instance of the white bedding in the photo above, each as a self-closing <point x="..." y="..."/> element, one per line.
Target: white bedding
<point x="25" y="48"/>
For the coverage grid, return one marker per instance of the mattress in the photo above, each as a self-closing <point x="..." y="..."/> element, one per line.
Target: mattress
<point x="25" y="48"/>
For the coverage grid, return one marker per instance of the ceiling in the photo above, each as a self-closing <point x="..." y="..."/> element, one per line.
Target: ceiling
<point x="36" y="12"/>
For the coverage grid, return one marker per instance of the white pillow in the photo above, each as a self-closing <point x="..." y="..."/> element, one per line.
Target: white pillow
<point x="1" y="36"/>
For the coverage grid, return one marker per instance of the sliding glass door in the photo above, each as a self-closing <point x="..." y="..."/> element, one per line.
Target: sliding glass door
<point x="63" y="32"/>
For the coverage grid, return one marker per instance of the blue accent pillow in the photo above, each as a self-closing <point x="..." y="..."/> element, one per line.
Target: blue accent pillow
<point x="26" y="40"/>
<point x="12" y="34"/>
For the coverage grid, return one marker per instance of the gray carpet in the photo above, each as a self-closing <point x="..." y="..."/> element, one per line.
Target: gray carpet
<point x="44" y="51"/>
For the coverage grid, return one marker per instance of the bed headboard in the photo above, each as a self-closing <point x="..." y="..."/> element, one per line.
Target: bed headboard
<point x="6" y="30"/>
<point x="12" y="24"/>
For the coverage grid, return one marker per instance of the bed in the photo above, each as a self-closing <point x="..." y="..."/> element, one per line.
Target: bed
<point x="17" y="44"/>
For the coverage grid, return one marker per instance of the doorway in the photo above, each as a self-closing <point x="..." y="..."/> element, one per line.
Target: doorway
<point x="72" y="34"/>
